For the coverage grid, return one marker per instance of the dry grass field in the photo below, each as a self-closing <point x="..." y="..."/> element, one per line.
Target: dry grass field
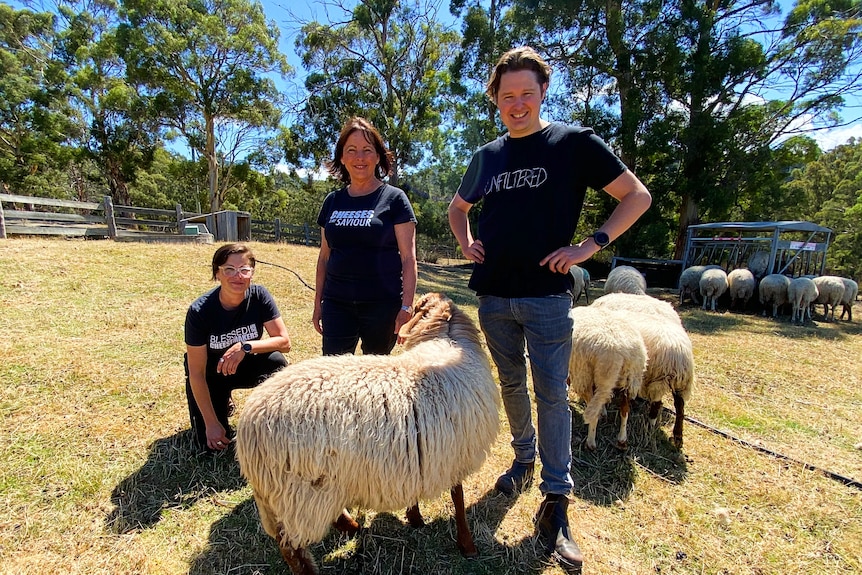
<point x="98" y="474"/>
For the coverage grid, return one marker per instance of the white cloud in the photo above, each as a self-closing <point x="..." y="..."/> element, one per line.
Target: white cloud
<point x="828" y="139"/>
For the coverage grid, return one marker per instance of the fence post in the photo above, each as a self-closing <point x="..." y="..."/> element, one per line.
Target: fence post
<point x="307" y="232"/>
<point x="277" y="228"/>
<point x="181" y="225"/>
<point x="109" y="217"/>
<point x="2" y="223"/>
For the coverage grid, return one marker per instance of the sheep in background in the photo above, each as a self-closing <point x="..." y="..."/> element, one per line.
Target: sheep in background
<point x="625" y="279"/>
<point x="800" y="293"/>
<point x="758" y="262"/>
<point x="640" y="303"/>
<point x="670" y="368"/>
<point x="689" y="281"/>
<point x="374" y="431"/>
<point x="740" y="284"/>
<point x="773" y="290"/>
<point x="713" y="283"/>
<point x="581" y="279"/>
<point x="608" y="358"/>
<point x="830" y="292"/>
<point x="851" y="290"/>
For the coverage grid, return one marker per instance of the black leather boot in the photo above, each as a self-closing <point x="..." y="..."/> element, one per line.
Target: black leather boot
<point x="552" y="525"/>
<point x="518" y="478"/>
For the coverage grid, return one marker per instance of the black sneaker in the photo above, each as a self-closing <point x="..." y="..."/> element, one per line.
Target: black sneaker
<point x="517" y="479"/>
<point x="552" y="525"/>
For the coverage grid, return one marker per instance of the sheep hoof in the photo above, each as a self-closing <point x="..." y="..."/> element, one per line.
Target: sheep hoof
<point x="414" y="517"/>
<point x="590" y="447"/>
<point x="622" y="445"/>
<point x="346" y="524"/>
<point x="468" y="551"/>
<point x="677" y="442"/>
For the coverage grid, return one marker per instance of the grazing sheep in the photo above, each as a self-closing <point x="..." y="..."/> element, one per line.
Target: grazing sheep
<point x="713" y="283"/>
<point x="801" y="292"/>
<point x="689" y="281"/>
<point x="758" y="262"/>
<point x="581" y="279"/>
<point x="625" y="279"/>
<point x="373" y="431"/>
<point x="773" y="290"/>
<point x="851" y="290"/>
<point x="608" y="358"/>
<point x="640" y="303"/>
<point x="830" y="292"/>
<point x="740" y="284"/>
<point x="670" y="369"/>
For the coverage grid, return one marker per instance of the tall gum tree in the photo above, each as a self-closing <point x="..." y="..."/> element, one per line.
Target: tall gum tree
<point x="208" y="66"/>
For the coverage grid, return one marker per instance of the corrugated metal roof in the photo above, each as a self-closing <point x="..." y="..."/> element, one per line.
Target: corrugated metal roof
<point x="800" y="226"/>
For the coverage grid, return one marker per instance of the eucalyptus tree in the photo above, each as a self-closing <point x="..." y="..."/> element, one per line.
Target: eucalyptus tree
<point x="382" y="59"/>
<point x="118" y="133"/>
<point x="208" y="66"/>
<point x="35" y="117"/>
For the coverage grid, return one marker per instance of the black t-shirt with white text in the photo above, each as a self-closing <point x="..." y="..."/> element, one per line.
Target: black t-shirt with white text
<point x="532" y="191"/>
<point x="364" y="262"/>
<point x="208" y="323"/>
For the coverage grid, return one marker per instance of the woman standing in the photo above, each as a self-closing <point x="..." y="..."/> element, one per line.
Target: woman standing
<point x="224" y="349"/>
<point x="366" y="269"/>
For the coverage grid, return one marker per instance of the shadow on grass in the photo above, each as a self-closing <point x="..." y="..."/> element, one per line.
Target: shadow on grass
<point x="607" y="475"/>
<point x="450" y="280"/>
<point x="175" y="475"/>
<point x="386" y="545"/>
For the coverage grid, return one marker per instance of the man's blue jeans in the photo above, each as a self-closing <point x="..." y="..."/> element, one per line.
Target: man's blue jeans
<point x="545" y="325"/>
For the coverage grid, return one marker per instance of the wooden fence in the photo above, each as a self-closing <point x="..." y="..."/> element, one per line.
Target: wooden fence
<point x="30" y="215"/>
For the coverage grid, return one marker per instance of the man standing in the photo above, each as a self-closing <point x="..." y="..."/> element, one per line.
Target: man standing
<point x="532" y="182"/>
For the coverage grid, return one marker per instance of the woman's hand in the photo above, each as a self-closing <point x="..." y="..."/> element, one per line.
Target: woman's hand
<point x="229" y="362"/>
<point x="217" y="440"/>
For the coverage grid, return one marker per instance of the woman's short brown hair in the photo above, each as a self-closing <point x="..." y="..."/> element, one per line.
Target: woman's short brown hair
<point x="515" y="60"/>
<point x="372" y="136"/>
<point x="224" y="252"/>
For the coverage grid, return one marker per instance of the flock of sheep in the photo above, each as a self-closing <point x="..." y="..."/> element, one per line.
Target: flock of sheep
<point x="384" y="432"/>
<point x="773" y="290"/>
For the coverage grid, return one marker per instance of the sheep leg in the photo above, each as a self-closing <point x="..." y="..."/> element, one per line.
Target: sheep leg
<point x="625" y="407"/>
<point x="654" y="409"/>
<point x="414" y="517"/>
<point x="298" y="559"/>
<point x="464" y="538"/>
<point x="679" y="407"/>
<point x="346" y="524"/>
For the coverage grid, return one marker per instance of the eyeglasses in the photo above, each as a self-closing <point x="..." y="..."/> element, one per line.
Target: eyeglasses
<point x="230" y="271"/>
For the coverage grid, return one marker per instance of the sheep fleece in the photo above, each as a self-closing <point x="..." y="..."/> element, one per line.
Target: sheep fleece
<point x="379" y="432"/>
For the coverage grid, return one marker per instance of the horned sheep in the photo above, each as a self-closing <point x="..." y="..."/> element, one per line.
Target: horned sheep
<point x="608" y="357"/>
<point x="851" y="290"/>
<point x="372" y="431"/>
<point x="713" y="284"/>
<point x="740" y="285"/>
<point x="830" y="292"/>
<point x="772" y="290"/>
<point x="670" y="369"/>
<point x="801" y="293"/>
<point x="625" y="279"/>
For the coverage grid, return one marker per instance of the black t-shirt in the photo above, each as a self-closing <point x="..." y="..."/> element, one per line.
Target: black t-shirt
<point x="532" y="190"/>
<point x="208" y="323"/>
<point x="364" y="261"/>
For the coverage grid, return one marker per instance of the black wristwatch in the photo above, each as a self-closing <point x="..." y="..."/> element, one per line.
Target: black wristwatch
<point x="602" y="239"/>
<point x="246" y="347"/>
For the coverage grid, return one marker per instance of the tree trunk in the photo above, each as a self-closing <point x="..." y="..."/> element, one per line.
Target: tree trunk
<point x="212" y="164"/>
<point x="687" y="216"/>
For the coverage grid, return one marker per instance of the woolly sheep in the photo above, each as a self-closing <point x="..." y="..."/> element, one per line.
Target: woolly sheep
<point x="670" y="369"/>
<point x="713" y="283"/>
<point x="851" y="290"/>
<point x="581" y="279"/>
<point x="830" y="292"/>
<point x="689" y="281"/>
<point x="800" y="293"/>
<point x="374" y="431"/>
<point x="773" y="290"/>
<point x="625" y="279"/>
<point x="740" y="284"/>
<point x="640" y="303"/>
<point x="758" y="262"/>
<point x="608" y="357"/>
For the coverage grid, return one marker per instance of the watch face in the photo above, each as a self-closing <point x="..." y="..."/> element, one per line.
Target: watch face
<point x="601" y="238"/>
<point x="246" y="347"/>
